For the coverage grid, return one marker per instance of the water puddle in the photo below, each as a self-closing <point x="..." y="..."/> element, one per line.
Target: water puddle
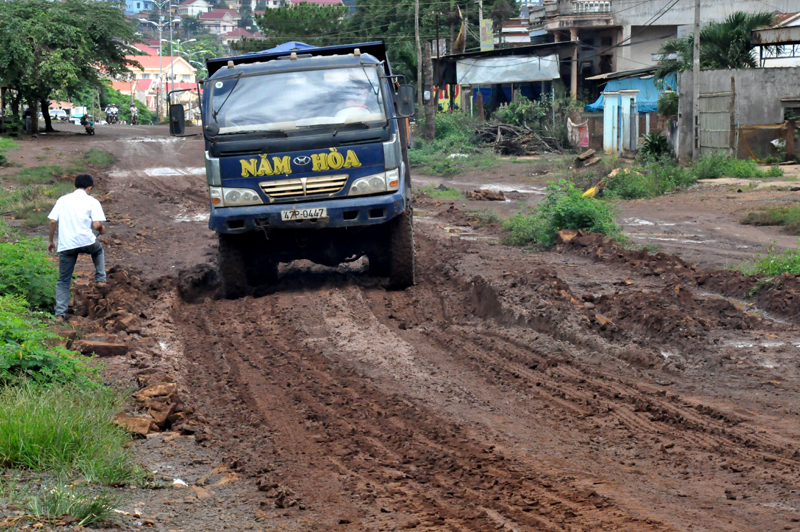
<point x="510" y="188"/>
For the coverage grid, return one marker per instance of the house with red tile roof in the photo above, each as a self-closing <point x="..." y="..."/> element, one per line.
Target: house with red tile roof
<point x="220" y="21"/>
<point x="146" y="82"/>
<point x="238" y="34"/>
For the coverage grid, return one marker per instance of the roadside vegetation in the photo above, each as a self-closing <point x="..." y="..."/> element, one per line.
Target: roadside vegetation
<point x="564" y="207"/>
<point x="773" y="263"/>
<point x="441" y="192"/>
<point x="453" y="151"/>
<point x="787" y="216"/>
<point x="59" y="448"/>
<point x="29" y="194"/>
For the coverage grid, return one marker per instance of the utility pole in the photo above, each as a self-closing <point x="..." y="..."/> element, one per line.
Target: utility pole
<point x="696" y="84"/>
<point x="171" y="58"/>
<point x="420" y="101"/>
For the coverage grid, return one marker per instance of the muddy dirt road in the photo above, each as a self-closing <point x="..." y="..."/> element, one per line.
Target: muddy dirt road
<point x="570" y="390"/>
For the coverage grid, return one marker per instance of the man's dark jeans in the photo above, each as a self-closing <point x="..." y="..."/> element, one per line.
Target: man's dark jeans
<point x="66" y="265"/>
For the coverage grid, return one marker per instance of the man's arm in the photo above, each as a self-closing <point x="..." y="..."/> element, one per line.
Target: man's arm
<point x="97" y="226"/>
<point x="51" y="246"/>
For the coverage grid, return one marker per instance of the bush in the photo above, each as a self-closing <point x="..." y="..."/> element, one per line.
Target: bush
<point x="29" y="350"/>
<point x="654" y="179"/>
<point x="773" y="263"/>
<point x="26" y="270"/>
<point x="65" y="430"/>
<point x="668" y="104"/>
<point x="716" y="166"/>
<point x="484" y="217"/>
<point x="785" y="215"/>
<point x="564" y="207"/>
<point x="655" y="146"/>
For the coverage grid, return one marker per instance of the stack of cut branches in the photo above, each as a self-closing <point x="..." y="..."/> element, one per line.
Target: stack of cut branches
<point x="516" y="140"/>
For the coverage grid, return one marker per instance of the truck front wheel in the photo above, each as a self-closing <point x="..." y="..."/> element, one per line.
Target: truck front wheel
<point x="402" y="263"/>
<point x="232" y="266"/>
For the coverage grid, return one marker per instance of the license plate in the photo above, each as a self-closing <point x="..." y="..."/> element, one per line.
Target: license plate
<point x="304" y="214"/>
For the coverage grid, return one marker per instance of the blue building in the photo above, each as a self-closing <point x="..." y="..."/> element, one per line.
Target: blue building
<point x="133" y="7"/>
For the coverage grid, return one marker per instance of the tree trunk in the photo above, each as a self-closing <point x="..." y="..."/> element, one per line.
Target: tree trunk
<point x="15" y="104"/>
<point x="430" y="105"/>
<point x="48" y="124"/>
<point x="33" y="106"/>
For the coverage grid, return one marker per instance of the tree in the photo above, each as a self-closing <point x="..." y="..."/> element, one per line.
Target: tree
<point x="50" y="46"/>
<point x="319" y="25"/>
<point x="723" y="45"/>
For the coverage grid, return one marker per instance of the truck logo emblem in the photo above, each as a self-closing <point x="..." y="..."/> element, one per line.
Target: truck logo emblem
<point x="302" y="160"/>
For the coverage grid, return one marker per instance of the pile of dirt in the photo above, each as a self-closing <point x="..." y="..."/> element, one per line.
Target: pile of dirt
<point x="485" y="195"/>
<point x="780" y="295"/>
<point x="159" y="405"/>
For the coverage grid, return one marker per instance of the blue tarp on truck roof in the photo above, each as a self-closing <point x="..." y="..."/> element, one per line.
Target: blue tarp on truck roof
<point x="648" y="95"/>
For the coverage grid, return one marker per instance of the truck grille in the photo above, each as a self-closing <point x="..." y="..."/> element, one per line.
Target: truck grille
<point x="305" y="186"/>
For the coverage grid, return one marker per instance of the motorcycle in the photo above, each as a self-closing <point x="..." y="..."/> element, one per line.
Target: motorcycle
<point x="88" y="125"/>
<point x="112" y="118"/>
<point x="134" y="119"/>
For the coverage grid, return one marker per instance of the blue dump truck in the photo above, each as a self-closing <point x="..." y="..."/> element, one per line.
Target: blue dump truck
<point x="307" y="158"/>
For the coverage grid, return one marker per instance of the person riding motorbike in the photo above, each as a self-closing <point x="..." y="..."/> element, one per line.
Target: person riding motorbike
<point x="134" y="115"/>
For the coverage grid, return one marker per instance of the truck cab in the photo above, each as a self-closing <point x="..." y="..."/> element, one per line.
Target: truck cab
<point x="306" y="155"/>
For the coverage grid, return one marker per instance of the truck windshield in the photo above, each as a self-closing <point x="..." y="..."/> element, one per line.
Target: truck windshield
<point x="294" y="100"/>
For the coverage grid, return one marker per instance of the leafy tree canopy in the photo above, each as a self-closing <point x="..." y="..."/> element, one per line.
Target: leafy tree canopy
<point x="376" y="20"/>
<point x="48" y="46"/>
<point x="723" y="45"/>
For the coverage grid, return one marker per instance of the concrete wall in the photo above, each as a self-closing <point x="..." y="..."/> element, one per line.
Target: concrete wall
<point x="631" y="14"/>
<point x="758" y="97"/>
<point x="645" y="41"/>
<point x="676" y="22"/>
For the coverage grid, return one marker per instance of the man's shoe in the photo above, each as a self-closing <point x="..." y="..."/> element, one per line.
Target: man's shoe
<point x="61" y="319"/>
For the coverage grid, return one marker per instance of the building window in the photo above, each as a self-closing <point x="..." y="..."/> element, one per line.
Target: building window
<point x="145" y="76"/>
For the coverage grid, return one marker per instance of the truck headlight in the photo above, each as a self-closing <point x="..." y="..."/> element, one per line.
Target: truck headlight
<point x="376" y="183"/>
<point x="233" y="197"/>
<point x="212" y="171"/>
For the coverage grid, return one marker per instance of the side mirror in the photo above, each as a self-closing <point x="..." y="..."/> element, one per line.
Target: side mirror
<point x="405" y="101"/>
<point x="177" y="120"/>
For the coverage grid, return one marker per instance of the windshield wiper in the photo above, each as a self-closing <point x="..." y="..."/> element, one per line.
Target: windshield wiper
<point x="218" y="109"/>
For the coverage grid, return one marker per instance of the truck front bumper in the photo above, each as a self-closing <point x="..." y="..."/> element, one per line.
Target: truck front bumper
<point x="342" y="212"/>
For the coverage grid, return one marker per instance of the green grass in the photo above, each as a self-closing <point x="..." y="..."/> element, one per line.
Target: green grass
<point x="564" y="207"/>
<point x="86" y="505"/>
<point x="99" y="158"/>
<point x="8" y="144"/>
<point x="484" y="217"/>
<point x="785" y="215"/>
<point x="441" y="192"/>
<point x="773" y="263"/>
<point x="717" y="166"/>
<point x="66" y="430"/>
<point x="33" y="191"/>
<point x="453" y="151"/>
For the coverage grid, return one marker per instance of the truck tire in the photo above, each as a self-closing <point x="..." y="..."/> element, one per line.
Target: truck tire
<point x="232" y="266"/>
<point x="262" y="271"/>
<point x="402" y="263"/>
<point x="379" y="264"/>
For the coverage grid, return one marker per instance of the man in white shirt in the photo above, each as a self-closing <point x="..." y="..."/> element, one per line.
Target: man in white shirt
<point x="76" y="216"/>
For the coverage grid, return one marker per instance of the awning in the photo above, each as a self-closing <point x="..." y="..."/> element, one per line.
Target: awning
<point x="509" y="69"/>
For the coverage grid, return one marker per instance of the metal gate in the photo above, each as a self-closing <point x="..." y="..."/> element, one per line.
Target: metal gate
<point x="716" y="109"/>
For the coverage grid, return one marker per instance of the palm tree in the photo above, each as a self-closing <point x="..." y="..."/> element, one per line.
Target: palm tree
<point x="723" y="45"/>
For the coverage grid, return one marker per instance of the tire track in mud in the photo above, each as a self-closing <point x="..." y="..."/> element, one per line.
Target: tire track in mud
<point x="440" y="408"/>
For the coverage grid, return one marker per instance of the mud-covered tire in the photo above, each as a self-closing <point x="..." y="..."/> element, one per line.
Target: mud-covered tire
<point x="232" y="266"/>
<point x="379" y="264"/>
<point x="262" y="271"/>
<point x="402" y="264"/>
